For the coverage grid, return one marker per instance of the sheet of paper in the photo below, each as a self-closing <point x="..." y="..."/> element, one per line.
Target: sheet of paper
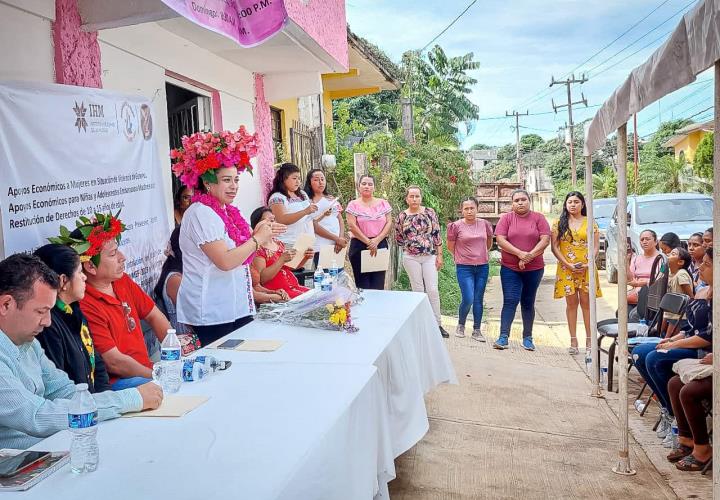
<point x="303" y="242"/>
<point x="172" y="406"/>
<point x="327" y="255"/>
<point x="323" y="206"/>
<point x="381" y="262"/>
<point x="258" y="345"/>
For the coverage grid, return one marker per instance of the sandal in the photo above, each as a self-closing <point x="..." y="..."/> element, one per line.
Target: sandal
<point x="573" y="351"/>
<point x="691" y="464"/>
<point x="682" y="452"/>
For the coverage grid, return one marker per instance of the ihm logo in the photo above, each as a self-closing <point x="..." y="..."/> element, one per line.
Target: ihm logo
<point x="80" y="121"/>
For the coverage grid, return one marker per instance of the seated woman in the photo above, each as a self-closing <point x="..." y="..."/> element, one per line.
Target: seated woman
<point x="679" y="281"/>
<point x="166" y="291"/>
<point x="668" y="242"/>
<point x="654" y="361"/>
<point x="271" y="258"/>
<point x="263" y="295"/>
<point x="694" y="450"/>
<point x="697" y="252"/>
<point x="640" y="266"/>
<point x="67" y="341"/>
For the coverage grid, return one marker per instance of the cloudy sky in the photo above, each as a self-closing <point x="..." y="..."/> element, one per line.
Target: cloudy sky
<point x="522" y="43"/>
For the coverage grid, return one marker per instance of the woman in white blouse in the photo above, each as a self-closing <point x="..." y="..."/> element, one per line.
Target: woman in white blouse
<point x="217" y="244"/>
<point x="330" y="226"/>
<point x="291" y="205"/>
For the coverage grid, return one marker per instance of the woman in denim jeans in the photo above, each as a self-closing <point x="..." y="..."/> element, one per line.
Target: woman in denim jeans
<point x="523" y="236"/>
<point x="469" y="240"/>
<point x="417" y="231"/>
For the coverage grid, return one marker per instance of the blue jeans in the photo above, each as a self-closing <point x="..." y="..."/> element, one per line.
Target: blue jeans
<point x="519" y="288"/>
<point x="656" y="368"/>
<point x="472" y="281"/>
<point x="129" y="383"/>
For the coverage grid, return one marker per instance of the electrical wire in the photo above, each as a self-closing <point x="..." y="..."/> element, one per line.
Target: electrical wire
<point x="448" y="26"/>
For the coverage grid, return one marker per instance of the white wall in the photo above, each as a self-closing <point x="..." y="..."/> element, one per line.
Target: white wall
<point x="29" y="29"/>
<point x="134" y="59"/>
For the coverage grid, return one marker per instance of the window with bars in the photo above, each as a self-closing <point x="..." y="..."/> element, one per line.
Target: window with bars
<point x="276" y="125"/>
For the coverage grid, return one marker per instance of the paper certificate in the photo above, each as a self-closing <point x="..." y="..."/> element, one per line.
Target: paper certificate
<point x="328" y="255"/>
<point x="381" y="262"/>
<point x="172" y="406"/>
<point x="303" y="242"/>
<point x="323" y="205"/>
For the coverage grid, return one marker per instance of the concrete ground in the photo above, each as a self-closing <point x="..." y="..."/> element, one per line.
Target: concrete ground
<point x="522" y="424"/>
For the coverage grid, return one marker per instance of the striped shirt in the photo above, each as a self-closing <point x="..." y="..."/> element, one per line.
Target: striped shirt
<point x="34" y="396"/>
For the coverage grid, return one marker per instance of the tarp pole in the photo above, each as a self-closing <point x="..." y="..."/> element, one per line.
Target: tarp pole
<point x="716" y="284"/>
<point x="623" y="464"/>
<point x="594" y="351"/>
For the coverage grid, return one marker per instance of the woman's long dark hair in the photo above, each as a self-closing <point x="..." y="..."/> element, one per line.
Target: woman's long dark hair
<point x="173" y="264"/>
<point x="278" y="186"/>
<point x="564" y="222"/>
<point x="308" y="186"/>
<point x="60" y="258"/>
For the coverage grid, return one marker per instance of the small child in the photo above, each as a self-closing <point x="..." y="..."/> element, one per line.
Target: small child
<point x="679" y="281"/>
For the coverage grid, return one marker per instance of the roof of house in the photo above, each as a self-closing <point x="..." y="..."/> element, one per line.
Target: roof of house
<point x="483" y="154"/>
<point x="687" y="130"/>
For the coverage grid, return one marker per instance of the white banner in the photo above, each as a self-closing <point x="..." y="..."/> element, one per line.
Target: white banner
<point x="68" y="151"/>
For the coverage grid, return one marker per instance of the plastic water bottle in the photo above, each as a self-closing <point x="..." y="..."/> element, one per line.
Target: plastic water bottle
<point x="588" y="362"/>
<point x="334" y="269"/>
<point x="674" y="431"/>
<point x="199" y="367"/>
<point x="170" y="351"/>
<point x="642" y="329"/>
<point x="82" y="422"/>
<point x="326" y="285"/>
<point x="603" y="374"/>
<point x="639" y="405"/>
<point x="318" y="278"/>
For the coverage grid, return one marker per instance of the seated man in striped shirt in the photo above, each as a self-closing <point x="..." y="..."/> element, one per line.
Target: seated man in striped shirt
<point x="34" y="394"/>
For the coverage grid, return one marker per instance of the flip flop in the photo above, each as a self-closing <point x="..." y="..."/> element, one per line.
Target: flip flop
<point x="691" y="464"/>
<point x="682" y="452"/>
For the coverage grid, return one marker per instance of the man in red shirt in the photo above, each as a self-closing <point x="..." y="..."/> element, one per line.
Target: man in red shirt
<point x="114" y="304"/>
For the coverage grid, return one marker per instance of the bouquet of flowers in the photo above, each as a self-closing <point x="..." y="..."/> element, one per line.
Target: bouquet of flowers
<point x="326" y="310"/>
<point x="203" y="152"/>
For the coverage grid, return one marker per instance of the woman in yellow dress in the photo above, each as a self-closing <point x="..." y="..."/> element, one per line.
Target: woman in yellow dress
<point x="569" y="245"/>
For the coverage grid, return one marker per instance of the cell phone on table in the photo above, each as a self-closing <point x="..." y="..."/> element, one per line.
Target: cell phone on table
<point x="231" y="343"/>
<point x="11" y="466"/>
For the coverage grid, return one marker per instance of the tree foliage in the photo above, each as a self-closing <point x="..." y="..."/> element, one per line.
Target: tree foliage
<point x="703" y="161"/>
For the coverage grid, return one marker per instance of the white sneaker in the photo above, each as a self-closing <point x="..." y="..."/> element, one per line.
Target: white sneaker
<point x="663" y="428"/>
<point x="460" y="331"/>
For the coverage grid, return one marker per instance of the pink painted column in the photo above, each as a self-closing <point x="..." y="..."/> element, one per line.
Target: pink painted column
<point x="77" y="53"/>
<point x="263" y="128"/>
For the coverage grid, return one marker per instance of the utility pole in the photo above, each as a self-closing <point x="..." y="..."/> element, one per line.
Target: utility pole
<point x="521" y="173"/>
<point x="568" y="82"/>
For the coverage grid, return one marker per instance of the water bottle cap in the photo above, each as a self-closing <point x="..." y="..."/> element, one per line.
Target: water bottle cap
<point x="81" y="387"/>
<point x="171" y="330"/>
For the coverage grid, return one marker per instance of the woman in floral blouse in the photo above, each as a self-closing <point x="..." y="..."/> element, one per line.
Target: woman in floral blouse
<point x="417" y="231"/>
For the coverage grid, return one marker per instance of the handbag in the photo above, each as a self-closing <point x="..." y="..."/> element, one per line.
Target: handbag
<point x="691" y="369"/>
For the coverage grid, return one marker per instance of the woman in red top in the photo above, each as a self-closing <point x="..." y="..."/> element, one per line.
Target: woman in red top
<point x="523" y="236"/>
<point x="271" y="258"/>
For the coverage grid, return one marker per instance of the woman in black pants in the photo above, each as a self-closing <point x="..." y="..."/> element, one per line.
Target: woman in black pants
<point x="369" y="220"/>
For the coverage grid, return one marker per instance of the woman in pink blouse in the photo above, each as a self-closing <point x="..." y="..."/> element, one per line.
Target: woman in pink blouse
<point x="469" y="240"/>
<point x="369" y="220"/>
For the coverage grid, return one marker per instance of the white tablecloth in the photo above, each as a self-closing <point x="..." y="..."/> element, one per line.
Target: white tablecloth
<point x="275" y="431"/>
<point x="398" y="334"/>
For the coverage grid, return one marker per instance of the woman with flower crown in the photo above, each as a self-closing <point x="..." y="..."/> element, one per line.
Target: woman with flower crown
<point x="215" y="295"/>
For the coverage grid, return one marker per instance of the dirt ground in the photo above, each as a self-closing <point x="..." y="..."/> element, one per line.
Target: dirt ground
<point x="522" y="424"/>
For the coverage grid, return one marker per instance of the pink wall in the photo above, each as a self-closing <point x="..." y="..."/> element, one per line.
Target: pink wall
<point x="263" y="128"/>
<point x="77" y="53"/>
<point x="323" y="20"/>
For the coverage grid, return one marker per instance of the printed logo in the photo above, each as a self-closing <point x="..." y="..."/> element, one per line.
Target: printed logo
<point x="146" y="124"/>
<point x="80" y="121"/>
<point x="128" y="121"/>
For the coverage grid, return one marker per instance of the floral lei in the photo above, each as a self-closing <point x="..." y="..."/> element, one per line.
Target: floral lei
<point x="237" y="227"/>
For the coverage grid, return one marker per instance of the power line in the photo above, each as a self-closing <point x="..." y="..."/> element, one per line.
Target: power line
<point x="608" y="68"/>
<point x="531" y="114"/>
<point x="448" y="26"/>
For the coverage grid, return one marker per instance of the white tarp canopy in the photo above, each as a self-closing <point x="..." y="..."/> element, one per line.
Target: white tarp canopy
<point x="693" y="47"/>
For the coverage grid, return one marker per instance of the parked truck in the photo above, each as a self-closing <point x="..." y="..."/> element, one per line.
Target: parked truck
<point x="494" y="199"/>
